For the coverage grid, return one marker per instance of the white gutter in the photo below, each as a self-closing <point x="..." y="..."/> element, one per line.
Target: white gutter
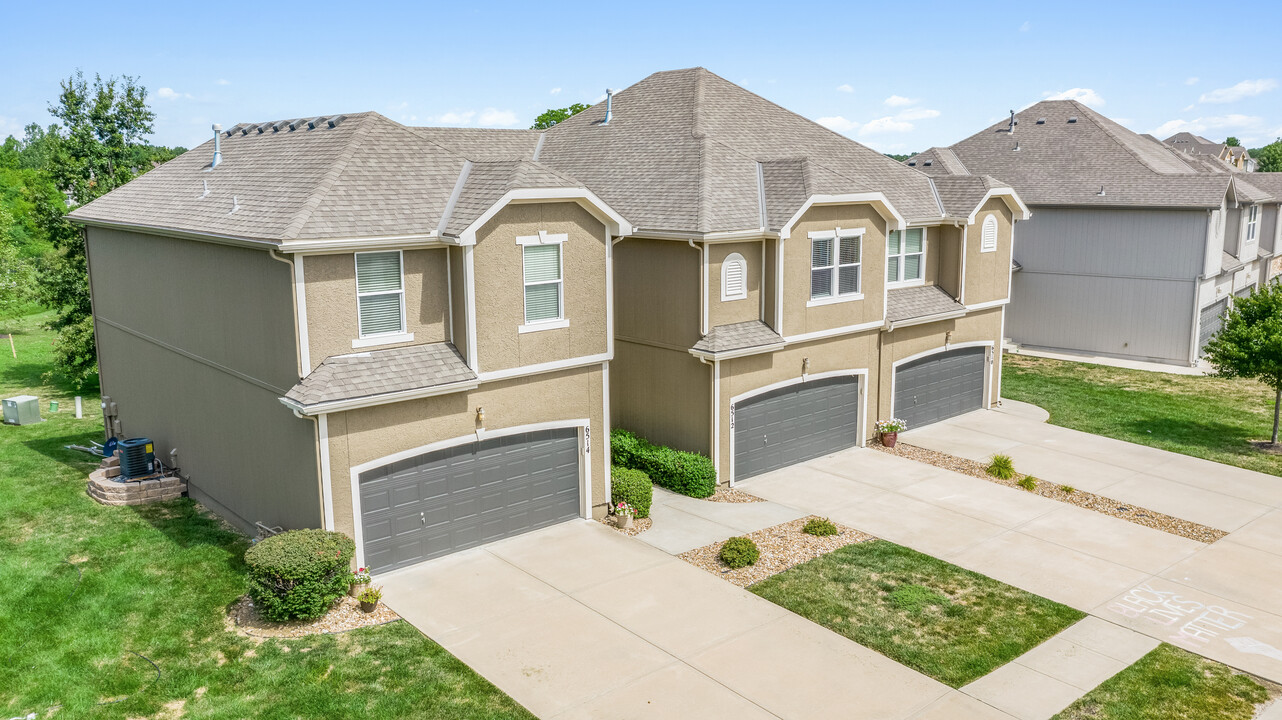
<point x="380" y="399"/>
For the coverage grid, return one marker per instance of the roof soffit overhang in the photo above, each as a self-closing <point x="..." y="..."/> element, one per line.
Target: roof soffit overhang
<point x="1010" y="197"/>
<point x="877" y="200"/>
<point x="615" y="223"/>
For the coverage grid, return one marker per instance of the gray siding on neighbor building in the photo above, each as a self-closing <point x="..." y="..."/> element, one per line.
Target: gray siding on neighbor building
<point x="196" y="344"/>
<point x="1108" y="281"/>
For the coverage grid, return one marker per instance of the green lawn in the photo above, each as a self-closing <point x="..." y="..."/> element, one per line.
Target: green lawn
<point x="1171" y="684"/>
<point x="951" y="624"/>
<point x="1202" y="416"/>
<point x="84" y="587"/>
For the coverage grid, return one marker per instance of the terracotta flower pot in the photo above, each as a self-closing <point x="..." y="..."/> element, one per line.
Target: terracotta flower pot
<point x="624" y="521"/>
<point x="889" y="439"/>
<point x="355" y="589"/>
<point x="368" y="607"/>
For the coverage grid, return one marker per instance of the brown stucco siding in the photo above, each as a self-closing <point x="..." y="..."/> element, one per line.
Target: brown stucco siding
<point x="945" y="250"/>
<point x="332" y="320"/>
<point x="663" y="394"/>
<point x="725" y="312"/>
<point x="458" y="300"/>
<point x="799" y="319"/>
<point x="770" y="260"/>
<point x="367" y="434"/>
<point x="988" y="273"/>
<point x="500" y="294"/>
<point x="656" y="289"/>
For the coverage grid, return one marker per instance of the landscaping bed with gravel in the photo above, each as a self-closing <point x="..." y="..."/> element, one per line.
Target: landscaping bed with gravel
<point x="346" y="615"/>
<point x="1080" y="498"/>
<point x="639" y="525"/>
<point x="781" y="546"/>
<point x="726" y="494"/>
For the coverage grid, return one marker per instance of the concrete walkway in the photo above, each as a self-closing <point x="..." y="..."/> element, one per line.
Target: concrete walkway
<point x="579" y="621"/>
<point x="683" y="523"/>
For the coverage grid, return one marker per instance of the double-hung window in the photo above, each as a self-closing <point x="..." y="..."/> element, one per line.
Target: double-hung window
<point x="544" y="292"/>
<point x="380" y="293"/>
<point x="836" y="259"/>
<point x="905" y="255"/>
<point x="1252" y="223"/>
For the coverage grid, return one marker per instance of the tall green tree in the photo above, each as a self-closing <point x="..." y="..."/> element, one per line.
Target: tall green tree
<point x="1269" y="157"/>
<point x="17" y="276"/>
<point x="1232" y="141"/>
<point x="556" y="115"/>
<point x="1249" y="343"/>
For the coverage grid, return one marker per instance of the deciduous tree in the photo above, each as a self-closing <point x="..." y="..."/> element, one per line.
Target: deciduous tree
<point x="1249" y="343"/>
<point x="556" y="115"/>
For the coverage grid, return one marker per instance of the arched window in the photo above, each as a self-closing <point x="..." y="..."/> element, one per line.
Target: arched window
<point x="734" y="278"/>
<point x="988" y="238"/>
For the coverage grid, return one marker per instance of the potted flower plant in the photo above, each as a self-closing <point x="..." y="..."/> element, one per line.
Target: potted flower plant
<point x="624" y="512"/>
<point x="890" y="429"/>
<point x="369" y="598"/>
<point x="359" y="582"/>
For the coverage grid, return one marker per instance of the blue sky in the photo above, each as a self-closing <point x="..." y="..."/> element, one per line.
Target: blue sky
<point x="894" y="76"/>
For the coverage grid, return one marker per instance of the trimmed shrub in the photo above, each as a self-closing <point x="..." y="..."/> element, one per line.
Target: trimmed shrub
<point x="633" y="487"/>
<point x="819" y="527"/>
<point x="1001" y="467"/>
<point x="738" y="552"/>
<point x="300" y="573"/>
<point x="681" y="472"/>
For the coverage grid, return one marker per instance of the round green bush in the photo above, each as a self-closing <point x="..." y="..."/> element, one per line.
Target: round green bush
<point x="738" y="552"/>
<point x="632" y="487"/>
<point x="681" y="472"/>
<point x="819" y="527"/>
<point x="297" y="575"/>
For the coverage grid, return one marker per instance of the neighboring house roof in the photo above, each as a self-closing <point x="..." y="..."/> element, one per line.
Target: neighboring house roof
<point x="960" y="195"/>
<point x="922" y="301"/>
<point x="1091" y="161"/>
<point x="737" y="336"/>
<point x="1267" y="183"/>
<point x="380" y="372"/>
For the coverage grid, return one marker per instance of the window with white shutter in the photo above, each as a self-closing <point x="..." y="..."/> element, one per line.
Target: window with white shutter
<point x="542" y="283"/>
<point x="836" y="261"/>
<point x="906" y="256"/>
<point x="380" y="293"/>
<point x="988" y="235"/>
<point x="734" y="278"/>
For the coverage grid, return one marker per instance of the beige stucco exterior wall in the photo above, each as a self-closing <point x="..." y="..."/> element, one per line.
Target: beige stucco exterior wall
<point x="656" y="290"/>
<point x="945" y="250"/>
<point x="500" y="295"/>
<point x="988" y="273"/>
<point x="662" y="394"/>
<point x="982" y="326"/>
<point x="458" y="300"/>
<point x="799" y="319"/>
<point x="332" y="321"/>
<point x="734" y="311"/>
<point x="769" y="316"/>
<point x="366" y="434"/>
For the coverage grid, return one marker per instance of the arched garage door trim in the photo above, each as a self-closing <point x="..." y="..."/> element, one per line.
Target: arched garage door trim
<point x="585" y="467"/>
<point x="860" y="373"/>
<point x="988" y="364"/>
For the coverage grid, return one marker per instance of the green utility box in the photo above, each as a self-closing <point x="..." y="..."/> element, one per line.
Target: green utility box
<point x="22" y="410"/>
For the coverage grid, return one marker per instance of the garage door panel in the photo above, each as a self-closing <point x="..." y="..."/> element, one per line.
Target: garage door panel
<point x="940" y="386"/>
<point x="797" y="423"/>
<point x="441" y="502"/>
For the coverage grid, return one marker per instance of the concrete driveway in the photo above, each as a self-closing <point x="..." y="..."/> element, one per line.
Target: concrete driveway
<point x="578" y="621"/>
<point x="1220" y="600"/>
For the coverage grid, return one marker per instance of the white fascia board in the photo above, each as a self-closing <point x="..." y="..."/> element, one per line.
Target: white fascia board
<point x="950" y="315"/>
<point x="382" y="399"/>
<point x="362" y="244"/>
<point x="743" y="352"/>
<point x="721" y="236"/>
<point x="584" y="197"/>
<point x="1013" y="201"/>
<point x="989" y="304"/>
<point x="878" y="200"/>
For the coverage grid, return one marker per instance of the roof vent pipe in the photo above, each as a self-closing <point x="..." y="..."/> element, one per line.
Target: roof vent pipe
<point x="218" y="147"/>
<point x="609" y="106"/>
<point x="1101" y="191"/>
<point x="1013" y="122"/>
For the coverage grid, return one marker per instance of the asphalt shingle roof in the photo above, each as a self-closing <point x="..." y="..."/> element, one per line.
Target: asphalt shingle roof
<point x="738" y="336"/>
<point x="961" y="194"/>
<point x="916" y="302"/>
<point x="379" y="372"/>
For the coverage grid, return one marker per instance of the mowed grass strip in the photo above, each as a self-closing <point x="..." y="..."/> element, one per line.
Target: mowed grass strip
<point x="951" y="624"/>
<point x="84" y="587"/>
<point x="1207" y="417"/>
<point x="1172" y="684"/>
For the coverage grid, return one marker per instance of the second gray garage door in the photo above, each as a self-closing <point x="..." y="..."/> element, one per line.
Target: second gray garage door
<point x="794" y="424"/>
<point x="1210" y="319"/>
<point x="441" y="502"/>
<point x="940" y="386"/>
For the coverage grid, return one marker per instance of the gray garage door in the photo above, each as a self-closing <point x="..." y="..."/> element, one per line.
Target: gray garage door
<point x="940" y="386"/>
<point x="794" y="424"/>
<point x="1211" y="318"/>
<point x="445" y="501"/>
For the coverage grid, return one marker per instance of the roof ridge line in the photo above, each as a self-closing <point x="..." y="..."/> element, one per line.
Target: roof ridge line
<point x="296" y="224"/>
<point x="1094" y="116"/>
<point x="701" y="138"/>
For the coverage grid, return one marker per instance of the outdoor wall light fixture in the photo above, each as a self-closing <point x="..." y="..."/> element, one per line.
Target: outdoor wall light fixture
<point x="805" y="366"/>
<point x="480" y="415"/>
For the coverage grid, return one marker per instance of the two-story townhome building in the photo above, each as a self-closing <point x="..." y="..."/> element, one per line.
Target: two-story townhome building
<point x="422" y="336"/>
<point x="1134" y="249"/>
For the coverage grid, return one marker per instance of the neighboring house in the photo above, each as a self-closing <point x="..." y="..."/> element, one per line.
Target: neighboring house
<point x="1231" y="155"/>
<point x="422" y="336"/>
<point x="1134" y="249"/>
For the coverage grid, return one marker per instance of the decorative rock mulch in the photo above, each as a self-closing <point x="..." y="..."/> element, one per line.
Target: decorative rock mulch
<point x="1080" y="498"/>
<point x="725" y="494"/>
<point x="346" y="615"/>
<point x="781" y="546"/>
<point x="639" y="525"/>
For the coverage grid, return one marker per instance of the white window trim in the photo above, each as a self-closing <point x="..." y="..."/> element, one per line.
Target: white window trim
<point x="837" y="236"/>
<point x="734" y="258"/>
<point x="996" y="230"/>
<point x="904" y="244"/>
<point x="1252" y="223"/>
<point x="380" y="338"/>
<point x="544" y="238"/>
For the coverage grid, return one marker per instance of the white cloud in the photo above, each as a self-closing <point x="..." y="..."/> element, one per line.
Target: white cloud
<point x="845" y="87"/>
<point x="1026" y="26"/>
<point x="1206" y="124"/>
<point x="899" y="101"/>
<point x="886" y="125"/>
<point x="1244" y="89"/>
<point x="165" y="93"/>
<point x="457" y="118"/>
<point x="917" y="114"/>
<point x="222" y="81"/>
<point x="1191" y="81"/>
<point x="1189" y="108"/>
<point x="838" y="123"/>
<point x="555" y="91"/>
<point x="1082" y="95"/>
<point x="491" y="117"/>
<point x="10" y="126"/>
